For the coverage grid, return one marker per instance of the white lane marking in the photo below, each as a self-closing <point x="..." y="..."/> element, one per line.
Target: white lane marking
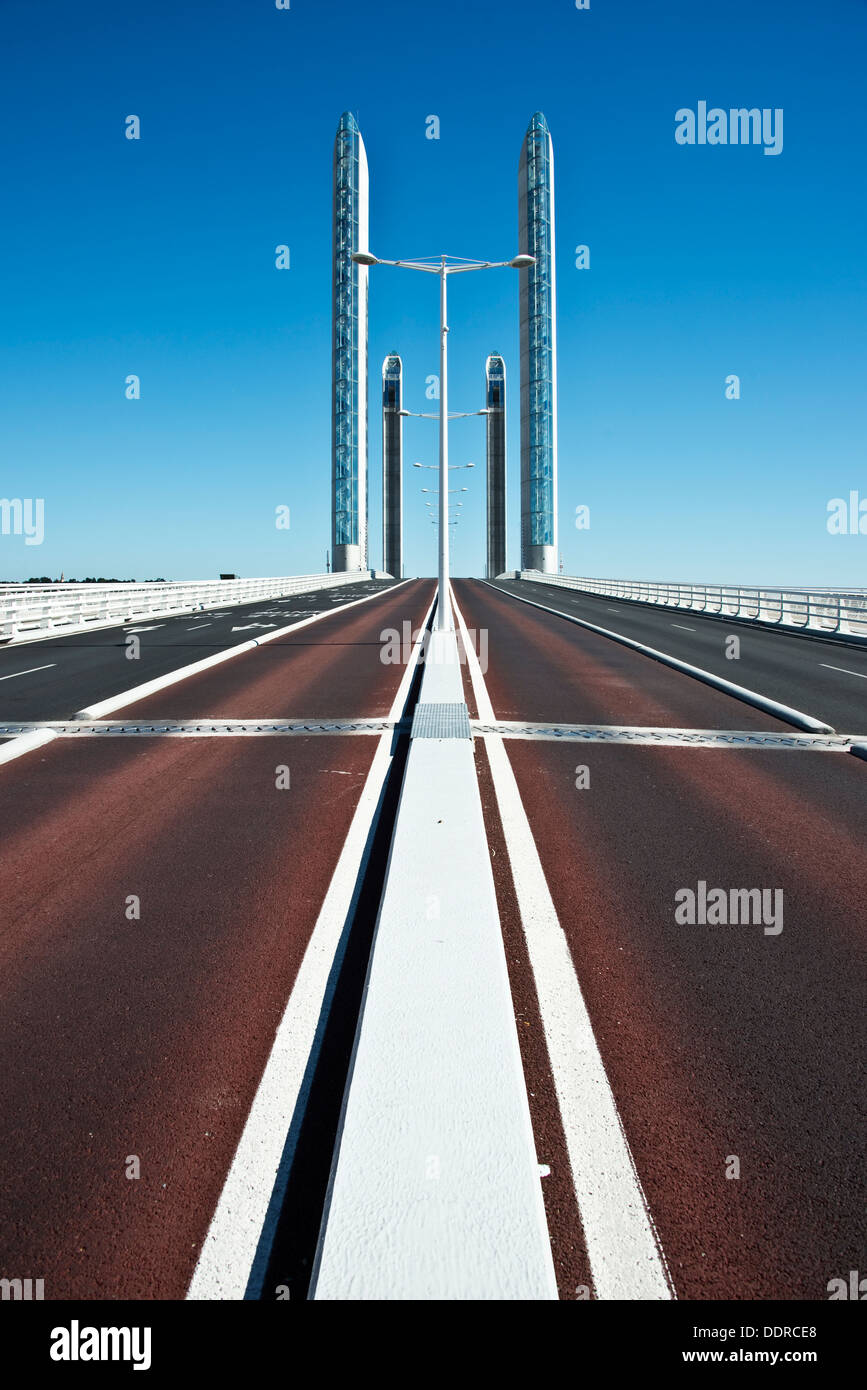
<point x="246" y="627"/>
<point x="740" y="692"/>
<point x="860" y="674"/>
<point x="151" y="628"/>
<point x="138" y="692"/>
<point x="682" y="628"/>
<point x="236" y="1250"/>
<point x="199" y="628"/>
<point x="626" y="1258"/>
<point x="612" y="610"/>
<point x="25" y="743"/>
<point x="28" y="672"/>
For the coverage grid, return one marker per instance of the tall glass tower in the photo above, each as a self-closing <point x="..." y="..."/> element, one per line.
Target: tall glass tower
<point x="349" y="351"/>
<point x="392" y="466"/>
<point x="495" y="400"/>
<point x="538" y="351"/>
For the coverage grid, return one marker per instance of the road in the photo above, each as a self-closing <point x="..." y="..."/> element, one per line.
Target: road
<point x="718" y="1041"/>
<point x="146" y="1037"/>
<point x="827" y="679"/>
<point x="54" y="677"/>
<point x="163" y="900"/>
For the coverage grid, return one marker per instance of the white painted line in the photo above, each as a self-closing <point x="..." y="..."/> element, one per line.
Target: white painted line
<point x="152" y="627"/>
<point x="626" y="1259"/>
<point x="683" y="628"/>
<point x="740" y="692"/>
<point x="236" y="1249"/>
<point x="199" y="628"/>
<point x="138" y="692"/>
<point x="28" y="672"/>
<point x="859" y="674"/>
<point x="25" y="743"/>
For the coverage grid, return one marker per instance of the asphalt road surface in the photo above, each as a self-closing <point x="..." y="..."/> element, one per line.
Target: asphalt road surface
<point x="146" y="1037"/>
<point x="56" y="676"/>
<point x="135" y="1037"/>
<point x="719" y="1042"/>
<point x="824" y="678"/>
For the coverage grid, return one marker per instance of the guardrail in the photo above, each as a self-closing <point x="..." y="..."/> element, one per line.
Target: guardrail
<point x="818" y="610"/>
<point x="29" y="610"/>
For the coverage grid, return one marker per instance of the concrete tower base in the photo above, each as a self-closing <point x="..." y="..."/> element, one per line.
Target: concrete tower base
<point x="346" y="558"/>
<point x="542" y="558"/>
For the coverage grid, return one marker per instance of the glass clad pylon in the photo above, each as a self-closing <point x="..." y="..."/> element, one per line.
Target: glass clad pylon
<point x="349" y="349"/>
<point x="538" y="351"/>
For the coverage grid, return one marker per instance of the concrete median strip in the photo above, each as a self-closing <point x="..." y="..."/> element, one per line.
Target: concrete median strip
<point x="740" y="692"/>
<point x="139" y="692"/>
<point x="435" y="1190"/>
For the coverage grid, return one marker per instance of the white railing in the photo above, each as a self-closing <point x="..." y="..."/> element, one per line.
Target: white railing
<point x="28" y="610"/>
<point x="819" y="610"/>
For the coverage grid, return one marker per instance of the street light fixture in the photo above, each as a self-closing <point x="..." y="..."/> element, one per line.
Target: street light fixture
<point x="444" y="266"/>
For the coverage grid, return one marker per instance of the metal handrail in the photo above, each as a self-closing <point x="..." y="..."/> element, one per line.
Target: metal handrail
<point x="29" y="609"/>
<point x="819" y="610"/>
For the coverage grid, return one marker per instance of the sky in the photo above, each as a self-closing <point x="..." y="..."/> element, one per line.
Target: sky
<point x="156" y="258"/>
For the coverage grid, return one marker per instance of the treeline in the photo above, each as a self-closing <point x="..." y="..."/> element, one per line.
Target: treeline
<point x="46" y="579"/>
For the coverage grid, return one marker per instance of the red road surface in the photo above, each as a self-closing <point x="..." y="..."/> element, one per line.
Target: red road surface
<point x="717" y="1040"/>
<point x="331" y="669"/>
<point x="148" y="1037"/>
<point x="546" y="669"/>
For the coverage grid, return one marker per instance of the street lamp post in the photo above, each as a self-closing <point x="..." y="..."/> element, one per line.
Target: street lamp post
<point x="443" y="268"/>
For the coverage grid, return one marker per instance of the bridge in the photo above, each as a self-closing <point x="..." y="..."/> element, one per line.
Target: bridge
<point x="349" y="956"/>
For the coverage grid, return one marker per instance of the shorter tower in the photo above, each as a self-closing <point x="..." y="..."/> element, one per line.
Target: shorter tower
<point x="495" y="401"/>
<point x="392" y="466"/>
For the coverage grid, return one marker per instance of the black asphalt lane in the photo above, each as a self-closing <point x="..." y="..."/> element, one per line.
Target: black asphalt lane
<point x="55" y="677"/>
<point x="825" y="679"/>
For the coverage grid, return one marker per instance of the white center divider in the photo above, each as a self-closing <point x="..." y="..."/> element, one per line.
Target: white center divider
<point x="435" y="1191"/>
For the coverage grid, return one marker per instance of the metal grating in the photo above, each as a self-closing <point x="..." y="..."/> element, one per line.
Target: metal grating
<point x="441" y="720"/>
<point x="201" y="728"/>
<point x="663" y="737"/>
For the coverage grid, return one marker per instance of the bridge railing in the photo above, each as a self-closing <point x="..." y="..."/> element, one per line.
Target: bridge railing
<point x="28" y="610"/>
<point x="834" y="611"/>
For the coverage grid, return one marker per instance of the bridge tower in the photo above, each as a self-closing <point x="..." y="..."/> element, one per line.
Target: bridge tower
<point x="495" y="400"/>
<point x="349" y="350"/>
<point x="538" y="351"/>
<point x="392" y="466"/>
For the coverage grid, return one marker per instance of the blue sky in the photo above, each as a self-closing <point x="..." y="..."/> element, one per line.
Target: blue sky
<point x="156" y="257"/>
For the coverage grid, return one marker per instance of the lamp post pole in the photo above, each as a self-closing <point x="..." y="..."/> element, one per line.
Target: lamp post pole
<point x="443" y="621"/>
<point x="444" y="608"/>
